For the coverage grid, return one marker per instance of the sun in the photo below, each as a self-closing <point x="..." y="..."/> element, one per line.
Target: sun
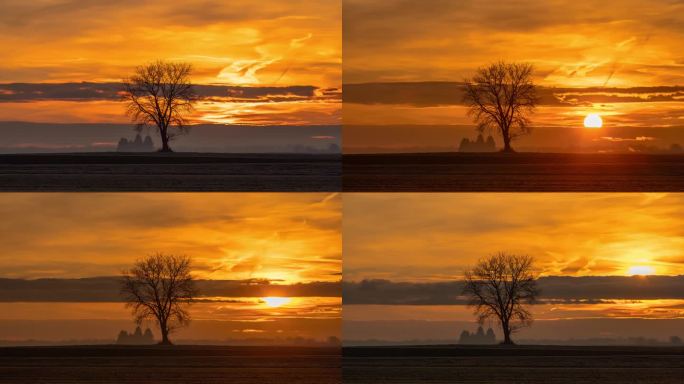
<point x="641" y="270"/>
<point x="593" y="120"/>
<point x="275" y="302"/>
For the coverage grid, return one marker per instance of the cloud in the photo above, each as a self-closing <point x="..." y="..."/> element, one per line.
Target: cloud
<point x="444" y="93"/>
<point x="244" y="71"/>
<point x="555" y="289"/>
<point x="86" y="91"/>
<point x="627" y="139"/>
<point x="299" y="42"/>
<point x="386" y="292"/>
<point x="106" y="289"/>
<point x="88" y="102"/>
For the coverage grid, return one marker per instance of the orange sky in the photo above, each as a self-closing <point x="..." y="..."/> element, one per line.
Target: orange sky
<point x="435" y="236"/>
<point x="288" y="237"/>
<point x="240" y="43"/>
<point x="611" y="45"/>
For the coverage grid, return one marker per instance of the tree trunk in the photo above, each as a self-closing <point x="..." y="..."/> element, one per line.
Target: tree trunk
<point x="165" y="333"/>
<point x="165" y="337"/>
<point x="507" y="339"/>
<point x="165" y="145"/>
<point x="507" y="144"/>
<point x="165" y="141"/>
<point x="507" y="334"/>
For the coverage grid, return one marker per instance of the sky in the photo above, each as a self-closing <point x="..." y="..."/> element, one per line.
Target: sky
<point x="255" y="63"/>
<point x="404" y="63"/>
<point x="63" y="253"/>
<point x="609" y="265"/>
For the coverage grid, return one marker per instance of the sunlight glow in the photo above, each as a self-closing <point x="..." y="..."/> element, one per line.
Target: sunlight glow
<point x="641" y="270"/>
<point x="593" y="120"/>
<point x="275" y="302"/>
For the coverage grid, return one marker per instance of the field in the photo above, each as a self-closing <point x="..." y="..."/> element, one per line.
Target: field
<point x="170" y="172"/>
<point x="523" y="172"/>
<point x="178" y="364"/>
<point x="522" y="364"/>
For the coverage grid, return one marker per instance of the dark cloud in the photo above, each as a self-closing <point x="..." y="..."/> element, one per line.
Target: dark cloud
<point x="106" y="289"/>
<point x="613" y="287"/>
<point x="441" y="93"/>
<point x="422" y="94"/>
<point x="86" y="91"/>
<point x="379" y="291"/>
<point x="563" y="289"/>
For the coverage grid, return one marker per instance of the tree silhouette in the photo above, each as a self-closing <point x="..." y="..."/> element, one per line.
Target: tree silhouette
<point x="160" y="94"/>
<point x="160" y="287"/>
<point x="502" y="96"/>
<point x="500" y="286"/>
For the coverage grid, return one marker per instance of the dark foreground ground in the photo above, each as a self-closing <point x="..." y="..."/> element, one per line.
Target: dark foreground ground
<point x="178" y="364"/>
<point x="522" y="364"/>
<point x="479" y="172"/>
<point x="170" y="172"/>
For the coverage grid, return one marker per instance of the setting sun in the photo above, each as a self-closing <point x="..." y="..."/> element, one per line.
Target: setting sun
<point x="593" y="120"/>
<point x="641" y="270"/>
<point x="275" y="302"/>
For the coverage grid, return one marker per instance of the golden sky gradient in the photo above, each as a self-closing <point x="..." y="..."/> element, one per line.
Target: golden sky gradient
<point x="434" y="236"/>
<point x="237" y="43"/>
<point x="585" y="54"/>
<point x="572" y="44"/>
<point x="290" y="238"/>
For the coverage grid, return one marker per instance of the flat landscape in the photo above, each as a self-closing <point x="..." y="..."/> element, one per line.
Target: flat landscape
<point x="520" y="364"/>
<point x="178" y="364"/>
<point x="170" y="172"/>
<point x="525" y="172"/>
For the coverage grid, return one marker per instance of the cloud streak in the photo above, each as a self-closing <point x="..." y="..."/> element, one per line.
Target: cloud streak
<point x="87" y="91"/>
<point x="445" y="93"/>
<point x="106" y="289"/>
<point x="555" y="289"/>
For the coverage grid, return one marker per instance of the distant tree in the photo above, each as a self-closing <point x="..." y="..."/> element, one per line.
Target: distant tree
<point x="160" y="94"/>
<point x="500" y="286"/>
<point x="502" y="96"/>
<point x="160" y="287"/>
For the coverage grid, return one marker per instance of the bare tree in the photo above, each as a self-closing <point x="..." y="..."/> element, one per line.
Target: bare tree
<point x="160" y="94"/>
<point x="160" y="287"/>
<point x="502" y="96"/>
<point x="500" y="286"/>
